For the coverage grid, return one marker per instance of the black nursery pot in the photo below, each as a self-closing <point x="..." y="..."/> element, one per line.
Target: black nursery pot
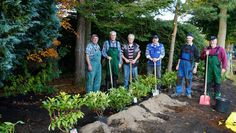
<point x="222" y="105"/>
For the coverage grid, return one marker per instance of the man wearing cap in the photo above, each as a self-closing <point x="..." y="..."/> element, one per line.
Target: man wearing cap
<point x="217" y="64"/>
<point x="186" y="66"/>
<point x="94" y="68"/>
<point x="155" y="52"/>
<point x="112" y="52"/>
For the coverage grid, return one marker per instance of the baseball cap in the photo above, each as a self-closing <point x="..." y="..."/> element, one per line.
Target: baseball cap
<point x="155" y="36"/>
<point x="190" y="34"/>
<point x="213" y="38"/>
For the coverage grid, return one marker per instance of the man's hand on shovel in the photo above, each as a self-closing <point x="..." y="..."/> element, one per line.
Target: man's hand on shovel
<point x="109" y="58"/>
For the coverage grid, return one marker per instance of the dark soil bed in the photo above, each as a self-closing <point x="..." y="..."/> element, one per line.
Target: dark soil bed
<point x="191" y="118"/>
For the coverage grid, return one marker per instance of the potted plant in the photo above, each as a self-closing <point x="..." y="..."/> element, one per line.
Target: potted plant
<point x="8" y="127"/>
<point x="97" y="102"/>
<point x="119" y="98"/>
<point x="169" y="79"/>
<point x="139" y="90"/>
<point x="64" y="111"/>
<point x="150" y="81"/>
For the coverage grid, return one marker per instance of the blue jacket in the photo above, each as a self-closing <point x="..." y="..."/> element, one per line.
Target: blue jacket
<point x="155" y="51"/>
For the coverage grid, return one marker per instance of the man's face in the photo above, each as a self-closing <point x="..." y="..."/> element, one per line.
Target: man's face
<point x="214" y="42"/>
<point x="189" y="39"/>
<point x="155" y="40"/>
<point x="113" y="36"/>
<point x="131" y="40"/>
<point x="95" y="40"/>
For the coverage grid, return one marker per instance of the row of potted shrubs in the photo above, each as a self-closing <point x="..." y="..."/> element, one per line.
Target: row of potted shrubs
<point x="64" y="109"/>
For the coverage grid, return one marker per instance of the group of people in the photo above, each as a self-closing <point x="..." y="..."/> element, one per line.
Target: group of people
<point x="128" y="55"/>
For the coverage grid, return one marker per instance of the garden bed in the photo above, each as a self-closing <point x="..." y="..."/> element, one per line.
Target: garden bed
<point x="192" y="117"/>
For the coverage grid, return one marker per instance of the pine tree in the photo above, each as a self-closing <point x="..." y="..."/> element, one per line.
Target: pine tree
<point x="25" y="26"/>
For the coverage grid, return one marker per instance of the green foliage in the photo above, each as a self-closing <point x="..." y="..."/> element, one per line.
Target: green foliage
<point x="169" y="79"/>
<point x="150" y="81"/>
<point x="33" y="83"/>
<point x="201" y="68"/>
<point x="206" y="17"/>
<point x="64" y="111"/>
<point x="97" y="101"/>
<point x="124" y="14"/>
<point x="25" y="27"/>
<point x="8" y="127"/>
<point x="119" y="98"/>
<point x="139" y="90"/>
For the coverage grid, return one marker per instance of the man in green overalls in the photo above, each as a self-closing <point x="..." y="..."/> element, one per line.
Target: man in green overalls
<point x="217" y="64"/>
<point x="94" y="68"/>
<point x="112" y="52"/>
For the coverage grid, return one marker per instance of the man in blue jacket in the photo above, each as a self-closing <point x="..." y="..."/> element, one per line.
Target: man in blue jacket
<point x="154" y="53"/>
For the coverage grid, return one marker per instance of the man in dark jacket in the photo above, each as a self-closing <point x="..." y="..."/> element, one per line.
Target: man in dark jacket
<point x="187" y="65"/>
<point x="130" y="55"/>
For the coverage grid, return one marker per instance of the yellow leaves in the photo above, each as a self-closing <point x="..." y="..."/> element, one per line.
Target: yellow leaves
<point x="68" y="4"/>
<point x="66" y="25"/>
<point x="35" y="58"/>
<point x="47" y="53"/>
<point x="65" y="6"/>
<point x="56" y="42"/>
<point x="50" y="52"/>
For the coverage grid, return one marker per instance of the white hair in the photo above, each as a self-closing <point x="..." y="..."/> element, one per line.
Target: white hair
<point x="131" y="36"/>
<point x="112" y="32"/>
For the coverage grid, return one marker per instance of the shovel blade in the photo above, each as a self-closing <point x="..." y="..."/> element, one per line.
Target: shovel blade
<point x="204" y="100"/>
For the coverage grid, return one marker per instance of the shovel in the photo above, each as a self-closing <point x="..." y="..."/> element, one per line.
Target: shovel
<point x="156" y="92"/>
<point x="110" y="73"/>
<point x="130" y="72"/>
<point x="205" y="99"/>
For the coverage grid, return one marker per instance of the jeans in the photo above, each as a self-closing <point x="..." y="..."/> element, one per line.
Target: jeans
<point x="127" y="74"/>
<point x="150" y="70"/>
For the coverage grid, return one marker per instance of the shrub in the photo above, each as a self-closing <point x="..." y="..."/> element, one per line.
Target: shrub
<point x="169" y="79"/>
<point x="119" y="98"/>
<point x="32" y="83"/>
<point x="201" y="68"/>
<point x="8" y="127"/>
<point x="149" y="81"/>
<point x="139" y="90"/>
<point x="64" y="111"/>
<point x="97" y="101"/>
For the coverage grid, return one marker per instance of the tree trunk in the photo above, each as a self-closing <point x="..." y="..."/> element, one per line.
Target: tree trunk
<point x="80" y="50"/>
<point x="222" y="26"/>
<point x="88" y="31"/>
<point x="173" y="38"/>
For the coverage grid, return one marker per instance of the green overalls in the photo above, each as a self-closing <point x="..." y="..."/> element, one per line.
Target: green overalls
<point x="113" y="52"/>
<point x="94" y="77"/>
<point x="214" y="74"/>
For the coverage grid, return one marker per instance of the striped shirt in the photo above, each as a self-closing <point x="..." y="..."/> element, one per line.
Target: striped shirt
<point x="131" y="52"/>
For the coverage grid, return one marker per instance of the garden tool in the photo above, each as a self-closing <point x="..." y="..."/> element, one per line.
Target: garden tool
<point x="110" y="73"/>
<point x="130" y="72"/>
<point x="205" y="99"/>
<point x="156" y="92"/>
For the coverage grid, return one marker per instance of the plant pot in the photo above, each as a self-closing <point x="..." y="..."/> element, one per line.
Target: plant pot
<point x="222" y="105"/>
